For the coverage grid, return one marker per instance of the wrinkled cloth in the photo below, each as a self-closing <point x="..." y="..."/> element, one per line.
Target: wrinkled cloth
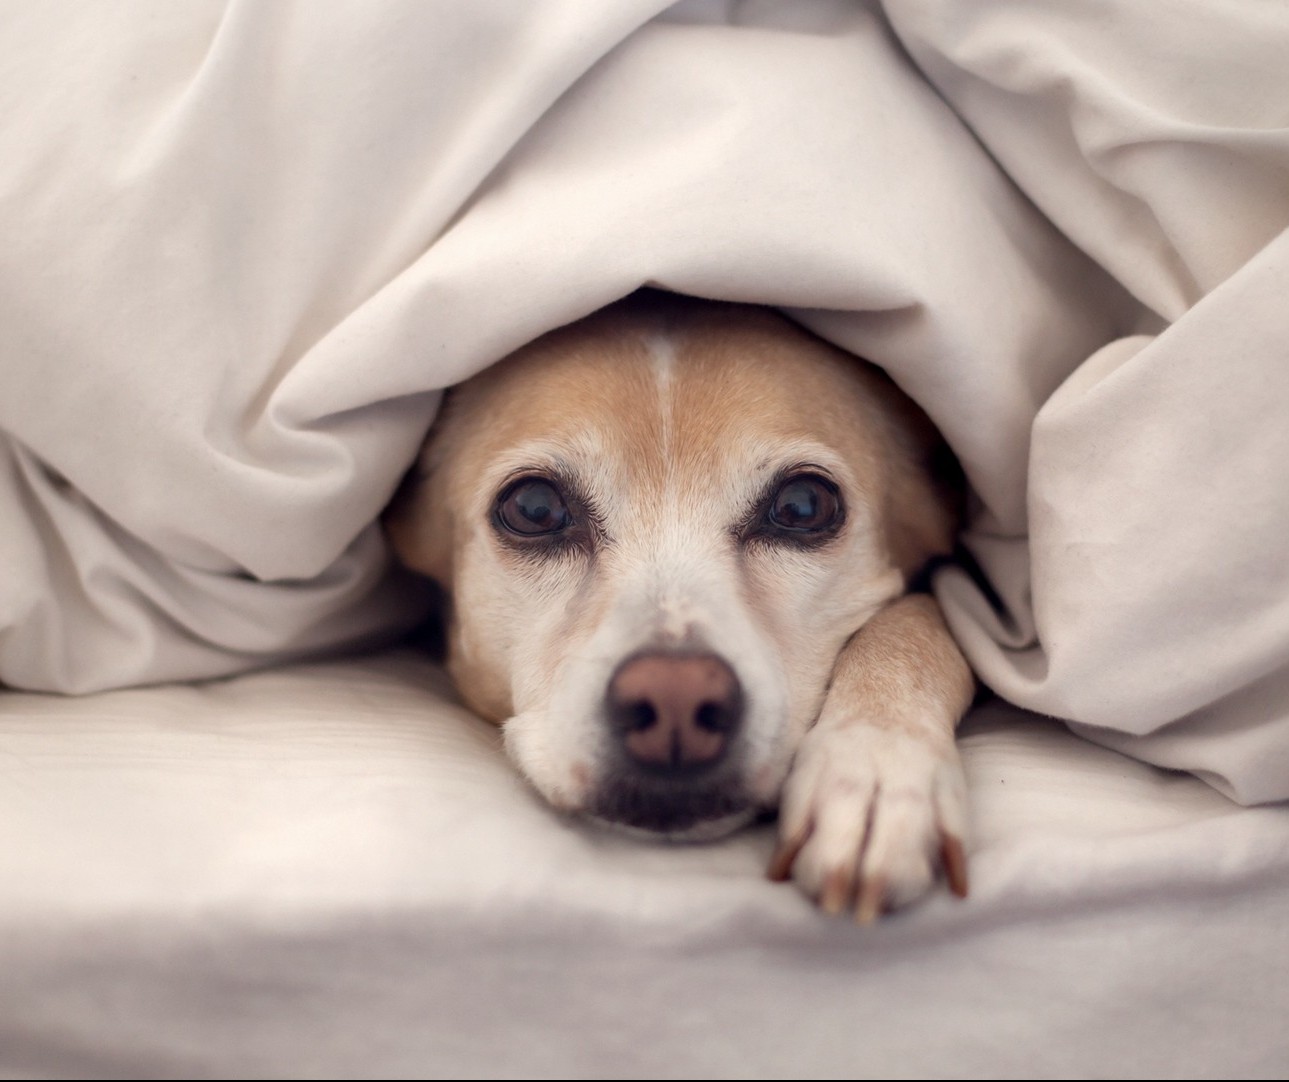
<point x="246" y="246"/>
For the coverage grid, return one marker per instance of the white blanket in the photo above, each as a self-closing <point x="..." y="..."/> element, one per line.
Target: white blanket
<point x="245" y="245"/>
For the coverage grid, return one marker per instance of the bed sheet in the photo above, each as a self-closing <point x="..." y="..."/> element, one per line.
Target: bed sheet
<point x="331" y="870"/>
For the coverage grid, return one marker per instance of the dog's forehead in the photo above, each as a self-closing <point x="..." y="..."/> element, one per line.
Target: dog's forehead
<point x="699" y="392"/>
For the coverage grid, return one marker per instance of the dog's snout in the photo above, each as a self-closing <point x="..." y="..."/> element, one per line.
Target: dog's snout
<point x="675" y="712"/>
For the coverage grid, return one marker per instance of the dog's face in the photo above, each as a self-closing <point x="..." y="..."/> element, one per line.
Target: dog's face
<point x="658" y="527"/>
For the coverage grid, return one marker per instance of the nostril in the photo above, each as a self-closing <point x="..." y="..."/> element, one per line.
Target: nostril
<point x="639" y="715"/>
<point x="714" y="718"/>
<point x="674" y="712"/>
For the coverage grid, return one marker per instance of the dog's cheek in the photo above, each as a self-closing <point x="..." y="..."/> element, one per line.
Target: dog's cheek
<point x="479" y="674"/>
<point x="562" y="776"/>
<point x="487" y="625"/>
<point x="809" y="606"/>
<point x="517" y="629"/>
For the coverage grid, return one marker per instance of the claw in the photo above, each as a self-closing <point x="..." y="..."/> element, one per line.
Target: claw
<point x="871" y="896"/>
<point x="780" y="869"/>
<point x="836" y="892"/>
<point x="955" y="864"/>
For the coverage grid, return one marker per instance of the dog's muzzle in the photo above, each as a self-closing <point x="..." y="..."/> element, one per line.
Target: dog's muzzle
<point x="675" y="718"/>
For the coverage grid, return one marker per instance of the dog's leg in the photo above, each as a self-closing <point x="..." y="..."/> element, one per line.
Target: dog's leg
<point x="875" y="804"/>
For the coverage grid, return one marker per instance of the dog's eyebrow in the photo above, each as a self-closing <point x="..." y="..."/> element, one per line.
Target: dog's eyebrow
<point x="554" y="458"/>
<point x="801" y="454"/>
<point x="809" y="467"/>
<point x="778" y="471"/>
<point x="555" y="469"/>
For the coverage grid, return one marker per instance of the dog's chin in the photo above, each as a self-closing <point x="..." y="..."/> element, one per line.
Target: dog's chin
<point x="709" y="830"/>
<point x="672" y="813"/>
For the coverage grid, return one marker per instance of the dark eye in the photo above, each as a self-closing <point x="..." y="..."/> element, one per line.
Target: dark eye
<point x="805" y="504"/>
<point x="533" y="506"/>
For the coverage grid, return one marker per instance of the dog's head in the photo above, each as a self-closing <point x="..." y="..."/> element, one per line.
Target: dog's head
<point x="657" y="527"/>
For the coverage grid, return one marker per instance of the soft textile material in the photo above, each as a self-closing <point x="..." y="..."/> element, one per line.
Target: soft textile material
<point x="329" y="871"/>
<point x="246" y="246"/>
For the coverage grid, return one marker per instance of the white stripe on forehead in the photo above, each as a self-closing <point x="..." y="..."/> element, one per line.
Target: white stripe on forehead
<point x="662" y="356"/>
<point x="662" y="359"/>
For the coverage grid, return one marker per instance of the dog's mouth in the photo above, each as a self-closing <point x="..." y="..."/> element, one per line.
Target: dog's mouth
<point x="675" y="719"/>
<point x="675" y="810"/>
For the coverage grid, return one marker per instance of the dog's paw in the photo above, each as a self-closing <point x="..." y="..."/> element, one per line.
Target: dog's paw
<point x="870" y="817"/>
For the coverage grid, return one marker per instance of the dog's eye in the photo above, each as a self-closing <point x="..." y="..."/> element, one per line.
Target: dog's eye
<point x="533" y="506"/>
<point x="805" y="504"/>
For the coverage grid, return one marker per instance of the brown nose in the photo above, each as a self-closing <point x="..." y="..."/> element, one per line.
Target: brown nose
<point x="675" y="712"/>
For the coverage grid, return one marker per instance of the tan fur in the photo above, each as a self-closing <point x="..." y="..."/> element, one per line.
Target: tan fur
<point x="664" y="408"/>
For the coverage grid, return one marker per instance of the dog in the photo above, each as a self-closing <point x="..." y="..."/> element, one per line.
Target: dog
<point x="677" y="538"/>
